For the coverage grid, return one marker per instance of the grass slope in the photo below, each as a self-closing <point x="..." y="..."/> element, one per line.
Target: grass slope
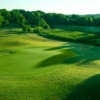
<point x="35" y="68"/>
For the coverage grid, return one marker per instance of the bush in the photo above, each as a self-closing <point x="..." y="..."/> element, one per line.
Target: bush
<point x="26" y="28"/>
<point x="38" y="29"/>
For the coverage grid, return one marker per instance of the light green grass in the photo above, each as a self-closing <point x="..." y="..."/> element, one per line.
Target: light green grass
<point x="35" y="68"/>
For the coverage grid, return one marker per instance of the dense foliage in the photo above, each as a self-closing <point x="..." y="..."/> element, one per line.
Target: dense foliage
<point x="16" y="18"/>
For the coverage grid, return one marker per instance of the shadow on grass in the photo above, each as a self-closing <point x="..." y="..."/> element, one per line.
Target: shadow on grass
<point x="77" y="54"/>
<point x="88" y="90"/>
<point x="85" y="54"/>
<point x="56" y="48"/>
<point x="57" y="59"/>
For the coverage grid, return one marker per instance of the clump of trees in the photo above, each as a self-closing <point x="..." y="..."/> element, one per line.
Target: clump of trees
<point x="41" y="25"/>
<point x="17" y="18"/>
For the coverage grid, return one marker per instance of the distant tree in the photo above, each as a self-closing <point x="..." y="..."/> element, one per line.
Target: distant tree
<point x="17" y="18"/>
<point x="42" y="23"/>
<point x="96" y="21"/>
<point x="32" y="17"/>
<point x="1" y="20"/>
<point x="74" y="19"/>
<point x="5" y="23"/>
<point x="89" y="20"/>
<point x="6" y="14"/>
<point x="82" y="21"/>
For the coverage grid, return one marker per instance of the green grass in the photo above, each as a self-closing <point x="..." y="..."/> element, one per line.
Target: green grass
<point x="79" y="34"/>
<point x="35" y="68"/>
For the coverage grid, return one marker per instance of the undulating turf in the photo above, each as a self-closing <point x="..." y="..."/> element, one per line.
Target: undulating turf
<point x="35" y="68"/>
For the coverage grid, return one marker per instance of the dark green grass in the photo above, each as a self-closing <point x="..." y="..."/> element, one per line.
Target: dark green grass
<point x="41" y="69"/>
<point x="57" y="59"/>
<point x="87" y="90"/>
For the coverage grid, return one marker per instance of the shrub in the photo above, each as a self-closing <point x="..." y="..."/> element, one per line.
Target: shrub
<point x="26" y="28"/>
<point x="38" y="29"/>
<point x="46" y="26"/>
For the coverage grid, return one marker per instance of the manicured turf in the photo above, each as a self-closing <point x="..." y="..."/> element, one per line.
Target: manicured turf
<point x="35" y="68"/>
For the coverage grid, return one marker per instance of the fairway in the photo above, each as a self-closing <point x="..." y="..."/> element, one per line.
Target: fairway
<point x="37" y="68"/>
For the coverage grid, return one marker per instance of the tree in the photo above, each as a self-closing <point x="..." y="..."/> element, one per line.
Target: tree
<point x="17" y="18"/>
<point x="5" y="23"/>
<point x="1" y="20"/>
<point x="42" y="23"/>
<point x="89" y="20"/>
<point x="6" y="14"/>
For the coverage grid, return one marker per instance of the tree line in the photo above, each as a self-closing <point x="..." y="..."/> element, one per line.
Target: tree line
<point x="19" y="17"/>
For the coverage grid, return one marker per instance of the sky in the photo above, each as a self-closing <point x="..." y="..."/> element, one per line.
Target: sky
<point x="57" y="6"/>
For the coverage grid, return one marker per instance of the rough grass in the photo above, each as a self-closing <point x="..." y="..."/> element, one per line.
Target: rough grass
<point x="79" y="34"/>
<point x="35" y="68"/>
